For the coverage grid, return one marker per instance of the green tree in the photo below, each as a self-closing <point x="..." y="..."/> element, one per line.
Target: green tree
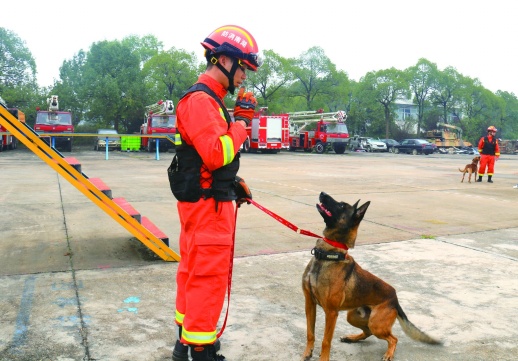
<point x="169" y="74"/>
<point x="446" y="91"/>
<point x="113" y="88"/>
<point x="312" y="73"/>
<point x="421" y="79"/>
<point x="144" y="47"/>
<point x="363" y="110"/>
<point x="17" y="66"/>
<point x="509" y="123"/>
<point x="386" y="86"/>
<point x="269" y="79"/>
<point x="18" y="84"/>
<point x="338" y="95"/>
<point x="479" y="108"/>
<point x="70" y="85"/>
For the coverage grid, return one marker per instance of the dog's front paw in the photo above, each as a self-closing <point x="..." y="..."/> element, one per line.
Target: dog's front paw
<point x="387" y="358"/>
<point x="307" y="355"/>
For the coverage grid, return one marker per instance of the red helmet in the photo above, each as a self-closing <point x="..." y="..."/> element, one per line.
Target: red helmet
<point x="492" y="129"/>
<point x="236" y="42"/>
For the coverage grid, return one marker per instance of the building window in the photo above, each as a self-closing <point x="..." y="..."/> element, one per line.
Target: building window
<point x="404" y="113"/>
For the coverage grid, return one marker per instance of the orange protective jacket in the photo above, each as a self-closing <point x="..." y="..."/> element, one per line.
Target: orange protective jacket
<point x="206" y="234"/>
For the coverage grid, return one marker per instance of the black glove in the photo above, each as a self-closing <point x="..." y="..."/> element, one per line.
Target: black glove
<point x="242" y="191"/>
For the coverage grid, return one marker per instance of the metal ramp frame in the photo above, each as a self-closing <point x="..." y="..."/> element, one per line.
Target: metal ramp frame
<point x="145" y="231"/>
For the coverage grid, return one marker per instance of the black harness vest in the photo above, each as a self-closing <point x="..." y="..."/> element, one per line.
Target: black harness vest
<point x="489" y="147"/>
<point x="185" y="170"/>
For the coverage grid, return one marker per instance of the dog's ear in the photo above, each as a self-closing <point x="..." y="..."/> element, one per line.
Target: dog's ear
<point x="359" y="213"/>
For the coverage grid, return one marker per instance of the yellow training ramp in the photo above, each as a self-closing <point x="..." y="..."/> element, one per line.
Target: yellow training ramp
<point x="93" y="188"/>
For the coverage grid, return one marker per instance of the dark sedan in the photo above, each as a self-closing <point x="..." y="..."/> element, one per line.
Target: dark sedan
<point x="391" y="143"/>
<point x="414" y="146"/>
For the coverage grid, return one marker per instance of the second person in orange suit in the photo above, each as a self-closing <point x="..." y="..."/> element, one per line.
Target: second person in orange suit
<point x="489" y="152"/>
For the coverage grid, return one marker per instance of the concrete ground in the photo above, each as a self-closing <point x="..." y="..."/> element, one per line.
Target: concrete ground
<point x="75" y="285"/>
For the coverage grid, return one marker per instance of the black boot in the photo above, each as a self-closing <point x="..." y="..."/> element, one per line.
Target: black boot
<point x="479" y="178"/>
<point x="205" y="353"/>
<point x="180" y="351"/>
<point x="489" y="178"/>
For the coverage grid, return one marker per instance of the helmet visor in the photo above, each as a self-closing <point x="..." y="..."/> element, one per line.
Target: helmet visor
<point x="252" y="60"/>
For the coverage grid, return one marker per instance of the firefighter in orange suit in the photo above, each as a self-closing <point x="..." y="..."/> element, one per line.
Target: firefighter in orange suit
<point x="489" y="153"/>
<point x="203" y="179"/>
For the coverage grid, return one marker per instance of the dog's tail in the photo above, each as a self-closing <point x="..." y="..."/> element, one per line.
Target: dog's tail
<point x="412" y="331"/>
<point x="460" y="170"/>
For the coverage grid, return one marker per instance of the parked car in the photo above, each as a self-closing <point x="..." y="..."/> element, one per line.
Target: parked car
<point x="390" y="144"/>
<point x="114" y="143"/>
<point x="366" y="143"/>
<point x="414" y="146"/>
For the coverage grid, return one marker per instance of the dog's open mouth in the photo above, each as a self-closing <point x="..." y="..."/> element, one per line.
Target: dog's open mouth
<point x="324" y="209"/>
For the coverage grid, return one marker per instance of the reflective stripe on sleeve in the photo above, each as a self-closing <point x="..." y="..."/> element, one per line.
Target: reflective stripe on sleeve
<point x="179" y="318"/>
<point x="177" y="139"/>
<point x="227" y="147"/>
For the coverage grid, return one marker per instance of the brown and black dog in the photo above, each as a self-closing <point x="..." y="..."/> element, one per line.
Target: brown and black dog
<point x="334" y="281"/>
<point x="470" y="169"/>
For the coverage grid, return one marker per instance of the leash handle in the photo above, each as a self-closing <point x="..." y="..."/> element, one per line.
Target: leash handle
<point x="283" y="221"/>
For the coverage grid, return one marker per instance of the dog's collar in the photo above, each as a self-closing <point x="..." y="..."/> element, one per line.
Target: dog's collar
<point x="327" y="255"/>
<point x="335" y="244"/>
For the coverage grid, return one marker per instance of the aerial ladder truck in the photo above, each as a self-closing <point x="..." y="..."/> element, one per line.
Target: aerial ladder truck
<point x="318" y="131"/>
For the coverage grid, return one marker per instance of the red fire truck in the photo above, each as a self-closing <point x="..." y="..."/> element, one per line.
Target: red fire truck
<point x="159" y="120"/>
<point x="318" y="131"/>
<point x="55" y="121"/>
<point x="267" y="133"/>
<point x="9" y="141"/>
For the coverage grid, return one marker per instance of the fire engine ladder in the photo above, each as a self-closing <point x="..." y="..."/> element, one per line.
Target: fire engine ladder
<point x="300" y="117"/>
<point x="93" y="188"/>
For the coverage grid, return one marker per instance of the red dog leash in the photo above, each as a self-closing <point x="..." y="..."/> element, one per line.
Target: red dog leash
<point x="287" y="224"/>
<point x="283" y="221"/>
<point x="295" y="228"/>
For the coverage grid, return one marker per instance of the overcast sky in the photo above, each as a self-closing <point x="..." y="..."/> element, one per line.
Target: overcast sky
<point x="478" y="38"/>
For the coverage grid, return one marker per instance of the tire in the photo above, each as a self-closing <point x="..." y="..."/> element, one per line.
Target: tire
<point x="246" y="146"/>
<point x="369" y="149"/>
<point x="414" y="151"/>
<point x="320" y="148"/>
<point x="150" y="146"/>
<point x="391" y="150"/>
<point x="339" y="148"/>
<point x="396" y="150"/>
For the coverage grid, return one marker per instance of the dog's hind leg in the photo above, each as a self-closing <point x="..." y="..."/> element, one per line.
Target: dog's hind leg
<point x="381" y="321"/>
<point x="311" y="315"/>
<point x="329" y="330"/>
<point x="358" y="317"/>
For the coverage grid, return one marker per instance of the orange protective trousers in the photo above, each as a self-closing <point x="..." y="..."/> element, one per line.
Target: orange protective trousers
<point x="488" y="161"/>
<point x="206" y="241"/>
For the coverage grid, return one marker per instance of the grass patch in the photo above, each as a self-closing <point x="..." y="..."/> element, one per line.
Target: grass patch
<point x="427" y="236"/>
